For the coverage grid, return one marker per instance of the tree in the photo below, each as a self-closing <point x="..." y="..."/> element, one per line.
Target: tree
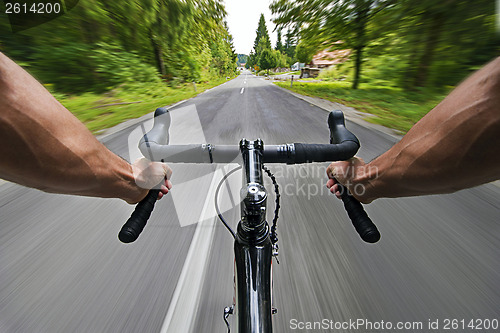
<point x="261" y="34"/>
<point x="304" y="53"/>
<point x="326" y="22"/>
<point x="242" y="59"/>
<point x="433" y="43"/>
<point x="279" y="44"/>
<point x="267" y="59"/>
<point x="252" y="60"/>
<point x="261" y="43"/>
<point x="185" y="40"/>
<point x="282" y="60"/>
<point x="290" y="43"/>
<point x="450" y="33"/>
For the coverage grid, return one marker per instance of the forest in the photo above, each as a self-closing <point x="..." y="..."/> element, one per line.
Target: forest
<point x="404" y="56"/>
<point x="410" y="44"/>
<point x="100" y="44"/>
<point x="153" y="52"/>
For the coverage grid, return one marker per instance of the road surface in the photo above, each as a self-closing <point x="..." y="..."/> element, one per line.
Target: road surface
<point x="62" y="268"/>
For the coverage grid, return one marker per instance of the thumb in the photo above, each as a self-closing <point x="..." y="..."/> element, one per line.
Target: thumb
<point x="336" y="169"/>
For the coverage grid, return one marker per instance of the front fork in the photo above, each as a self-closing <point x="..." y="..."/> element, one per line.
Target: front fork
<point x="253" y="278"/>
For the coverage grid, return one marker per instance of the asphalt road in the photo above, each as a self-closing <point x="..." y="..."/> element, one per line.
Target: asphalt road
<point x="62" y="268"/>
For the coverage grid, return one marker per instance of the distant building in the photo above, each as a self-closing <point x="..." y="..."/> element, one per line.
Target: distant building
<point x="327" y="58"/>
<point x="297" y="66"/>
<point x="242" y="66"/>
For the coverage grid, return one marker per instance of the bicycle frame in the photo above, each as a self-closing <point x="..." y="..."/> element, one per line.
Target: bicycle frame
<point x="253" y="249"/>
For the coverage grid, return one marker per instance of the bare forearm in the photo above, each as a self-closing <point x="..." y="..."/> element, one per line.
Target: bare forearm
<point x="455" y="146"/>
<point x="48" y="148"/>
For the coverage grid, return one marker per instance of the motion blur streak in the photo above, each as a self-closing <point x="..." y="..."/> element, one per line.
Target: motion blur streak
<point x="62" y="268"/>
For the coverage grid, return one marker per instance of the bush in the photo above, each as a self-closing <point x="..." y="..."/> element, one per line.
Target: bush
<point x="115" y="66"/>
<point x="78" y="67"/>
<point x="66" y="67"/>
<point x="337" y="72"/>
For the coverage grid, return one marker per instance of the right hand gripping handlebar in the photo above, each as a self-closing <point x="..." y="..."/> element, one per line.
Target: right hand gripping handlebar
<point x="154" y="146"/>
<point x="360" y="220"/>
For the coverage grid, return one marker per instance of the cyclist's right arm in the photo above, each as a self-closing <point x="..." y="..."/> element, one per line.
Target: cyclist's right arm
<point x="455" y="146"/>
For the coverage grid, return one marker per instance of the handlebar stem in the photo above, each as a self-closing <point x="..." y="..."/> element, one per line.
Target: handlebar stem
<point x="253" y="226"/>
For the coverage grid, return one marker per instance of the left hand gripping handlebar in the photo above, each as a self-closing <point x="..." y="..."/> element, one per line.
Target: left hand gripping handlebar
<point x="140" y="216"/>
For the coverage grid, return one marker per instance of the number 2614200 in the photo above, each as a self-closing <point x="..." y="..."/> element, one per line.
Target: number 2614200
<point x="32" y="8"/>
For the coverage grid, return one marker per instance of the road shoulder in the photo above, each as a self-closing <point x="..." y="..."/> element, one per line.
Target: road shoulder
<point x="350" y="113"/>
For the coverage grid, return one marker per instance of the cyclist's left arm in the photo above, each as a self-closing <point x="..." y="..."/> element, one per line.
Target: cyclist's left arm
<point x="45" y="146"/>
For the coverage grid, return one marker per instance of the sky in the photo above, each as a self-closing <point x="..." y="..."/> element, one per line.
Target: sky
<point x="243" y="19"/>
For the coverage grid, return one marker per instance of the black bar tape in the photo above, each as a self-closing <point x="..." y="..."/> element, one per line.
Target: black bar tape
<point x="360" y="220"/>
<point x="306" y="152"/>
<point x="137" y="221"/>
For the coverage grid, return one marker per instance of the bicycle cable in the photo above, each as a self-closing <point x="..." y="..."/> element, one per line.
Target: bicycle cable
<point x="274" y="234"/>
<point x="219" y="214"/>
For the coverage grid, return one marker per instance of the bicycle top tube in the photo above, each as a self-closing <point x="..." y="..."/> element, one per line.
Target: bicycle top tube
<point x="154" y="146"/>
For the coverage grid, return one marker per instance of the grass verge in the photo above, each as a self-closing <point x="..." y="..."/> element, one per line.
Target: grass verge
<point x="392" y="107"/>
<point x="91" y="108"/>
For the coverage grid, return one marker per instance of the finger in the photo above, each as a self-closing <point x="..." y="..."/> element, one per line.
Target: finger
<point x="169" y="184"/>
<point x="330" y="183"/>
<point x="163" y="191"/>
<point x="330" y="171"/>
<point x="335" y="190"/>
<point x="167" y="170"/>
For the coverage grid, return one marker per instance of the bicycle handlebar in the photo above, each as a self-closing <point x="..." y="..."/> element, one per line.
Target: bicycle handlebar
<point x="154" y="145"/>
<point x="137" y="221"/>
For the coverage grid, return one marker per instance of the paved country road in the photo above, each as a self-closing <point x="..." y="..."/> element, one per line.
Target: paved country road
<point x="62" y="268"/>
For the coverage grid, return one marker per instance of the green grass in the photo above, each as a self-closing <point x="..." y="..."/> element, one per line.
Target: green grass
<point x="96" y="119"/>
<point x="392" y="107"/>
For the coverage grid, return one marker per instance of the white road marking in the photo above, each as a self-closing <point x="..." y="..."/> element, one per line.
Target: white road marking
<point x="242" y="90"/>
<point x="183" y="307"/>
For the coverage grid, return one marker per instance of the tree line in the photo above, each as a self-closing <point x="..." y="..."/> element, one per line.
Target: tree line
<point x="100" y="44"/>
<point x="264" y="57"/>
<point x="418" y="43"/>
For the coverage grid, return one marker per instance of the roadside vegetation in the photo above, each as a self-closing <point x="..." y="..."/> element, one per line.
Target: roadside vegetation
<point x="404" y="56"/>
<point x="101" y="111"/>
<point x="393" y="108"/>
<point x="116" y="52"/>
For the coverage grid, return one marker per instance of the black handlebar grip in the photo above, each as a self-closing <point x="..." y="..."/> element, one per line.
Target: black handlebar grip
<point x="137" y="221"/>
<point x="362" y="223"/>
